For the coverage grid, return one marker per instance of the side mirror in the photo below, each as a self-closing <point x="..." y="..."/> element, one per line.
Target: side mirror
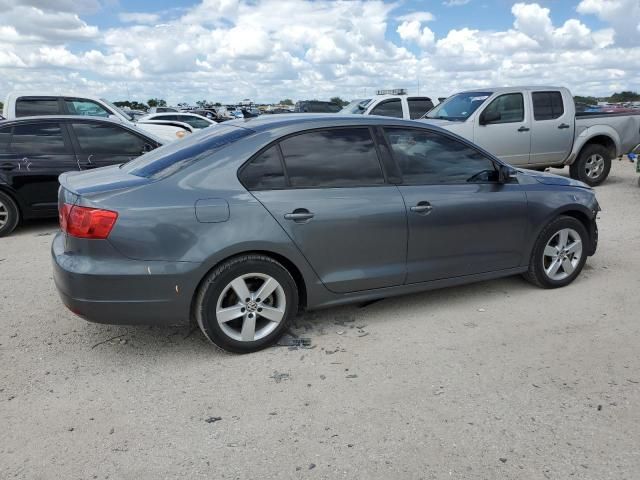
<point x="489" y="117"/>
<point x="506" y="174"/>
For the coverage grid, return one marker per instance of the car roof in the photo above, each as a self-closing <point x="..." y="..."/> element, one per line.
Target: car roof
<point x="89" y="118"/>
<point x="512" y="89"/>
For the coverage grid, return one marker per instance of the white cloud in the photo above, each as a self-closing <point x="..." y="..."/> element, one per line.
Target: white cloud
<point x="412" y="31"/>
<point x="139" y="17"/>
<point x="455" y="3"/>
<point x="622" y="15"/>
<point x="416" y="17"/>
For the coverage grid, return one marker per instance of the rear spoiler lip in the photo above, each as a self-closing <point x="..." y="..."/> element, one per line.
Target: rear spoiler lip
<point x="131" y="181"/>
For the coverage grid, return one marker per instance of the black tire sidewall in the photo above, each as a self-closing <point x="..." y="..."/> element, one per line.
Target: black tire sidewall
<point x="14" y="215"/>
<point x="578" y="169"/>
<point x="214" y="288"/>
<point x="549" y="231"/>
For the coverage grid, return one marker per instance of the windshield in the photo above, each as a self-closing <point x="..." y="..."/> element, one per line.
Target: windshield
<point x="356" y="106"/>
<point x="119" y="110"/>
<point x="459" y="107"/>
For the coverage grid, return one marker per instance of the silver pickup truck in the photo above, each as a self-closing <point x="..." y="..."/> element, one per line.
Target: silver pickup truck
<point x="537" y="127"/>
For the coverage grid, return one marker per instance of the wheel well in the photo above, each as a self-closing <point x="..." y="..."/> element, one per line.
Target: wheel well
<point x="605" y="141"/>
<point x="286" y="263"/>
<point x="582" y="218"/>
<point x="15" y="200"/>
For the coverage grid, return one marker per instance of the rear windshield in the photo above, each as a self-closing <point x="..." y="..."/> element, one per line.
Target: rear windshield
<point x="174" y="156"/>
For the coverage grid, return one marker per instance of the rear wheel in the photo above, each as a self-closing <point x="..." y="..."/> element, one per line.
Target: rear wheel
<point x="559" y="253"/>
<point x="592" y="165"/>
<point x="9" y="215"/>
<point x="246" y="303"/>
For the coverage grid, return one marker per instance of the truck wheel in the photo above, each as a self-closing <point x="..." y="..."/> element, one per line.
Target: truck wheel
<point x="9" y="214"/>
<point x="592" y="165"/>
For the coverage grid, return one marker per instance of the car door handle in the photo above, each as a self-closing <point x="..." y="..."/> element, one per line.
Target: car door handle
<point x="299" y="215"/>
<point x="563" y="125"/>
<point x="523" y="129"/>
<point x="423" y="208"/>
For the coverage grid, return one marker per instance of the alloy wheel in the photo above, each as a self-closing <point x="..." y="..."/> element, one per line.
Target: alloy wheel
<point x="562" y="254"/>
<point x="250" y="307"/>
<point x="594" y="166"/>
<point x="4" y="214"/>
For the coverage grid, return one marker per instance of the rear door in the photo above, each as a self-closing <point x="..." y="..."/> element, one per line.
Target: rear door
<point x="461" y="220"/>
<point x="552" y="128"/>
<point x="33" y="157"/>
<point x="36" y="106"/>
<point x="508" y="136"/>
<point x="332" y="200"/>
<point x="388" y="108"/>
<point x="100" y="144"/>
<point x="418" y="106"/>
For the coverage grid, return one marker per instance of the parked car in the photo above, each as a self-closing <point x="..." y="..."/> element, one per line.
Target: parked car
<point x="20" y="104"/>
<point x="397" y="105"/>
<point x="243" y="225"/>
<point x="537" y="127"/>
<point x="162" y="109"/>
<point x="316" y="106"/>
<point x="34" y="151"/>
<point x="195" y="121"/>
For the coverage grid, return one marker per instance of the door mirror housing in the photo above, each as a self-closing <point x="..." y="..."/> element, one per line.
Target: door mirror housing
<point x="489" y="117"/>
<point x="507" y="174"/>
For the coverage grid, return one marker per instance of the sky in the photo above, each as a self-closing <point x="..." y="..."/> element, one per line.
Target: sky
<point x="267" y="50"/>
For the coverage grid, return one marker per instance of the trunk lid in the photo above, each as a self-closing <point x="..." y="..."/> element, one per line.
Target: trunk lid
<point x="100" y="180"/>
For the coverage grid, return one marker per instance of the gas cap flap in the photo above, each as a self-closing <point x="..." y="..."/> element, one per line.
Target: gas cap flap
<point x="212" y="210"/>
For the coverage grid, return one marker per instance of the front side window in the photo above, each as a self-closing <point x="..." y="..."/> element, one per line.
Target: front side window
<point x="389" y="108"/>
<point x="77" y="106"/>
<point x="38" y="139"/>
<point x="96" y="138"/>
<point x="343" y="157"/>
<point x="28" y="107"/>
<point x="419" y="106"/>
<point x="264" y="172"/>
<point x="428" y="158"/>
<point x="547" y="105"/>
<point x="508" y="108"/>
<point x="459" y="107"/>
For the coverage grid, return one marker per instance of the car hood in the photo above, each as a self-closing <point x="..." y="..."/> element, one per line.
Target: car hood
<point x="551" y="179"/>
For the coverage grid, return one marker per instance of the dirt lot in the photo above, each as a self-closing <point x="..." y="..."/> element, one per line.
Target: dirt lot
<point x="493" y="380"/>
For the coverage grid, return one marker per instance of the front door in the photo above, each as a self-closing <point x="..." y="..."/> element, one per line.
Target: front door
<point x="332" y="200"/>
<point x="503" y="128"/>
<point x="461" y="220"/>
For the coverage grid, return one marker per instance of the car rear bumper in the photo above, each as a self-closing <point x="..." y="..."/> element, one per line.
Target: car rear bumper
<point x="118" y="290"/>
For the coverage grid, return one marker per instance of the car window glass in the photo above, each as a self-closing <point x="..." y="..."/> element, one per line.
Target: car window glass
<point x="547" y="105"/>
<point x="427" y="158"/>
<point x="5" y="137"/>
<point x="38" y="138"/>
<point x="195" y="122"/>
<point x="264" y="172"/>
<point x="76" y="106"/>
<point x="332" y="158"/>
<point x="389" y="108"/>
<point x="96" y="138"/>
<point x="27" y="107"/>
<point x="419" y="106"/>
<point x="510" y="107"/>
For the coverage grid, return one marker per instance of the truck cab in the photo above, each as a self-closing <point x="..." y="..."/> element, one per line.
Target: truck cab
<point x="391" y="103"/>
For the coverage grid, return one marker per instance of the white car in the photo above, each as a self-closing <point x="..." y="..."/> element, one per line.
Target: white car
<point x="21" y="104"/>
<point x="193" y="119"/>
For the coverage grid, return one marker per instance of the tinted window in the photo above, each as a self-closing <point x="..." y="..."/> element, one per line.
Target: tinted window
<point x="96" y="138"/>
<point x="390" y="108"/>
<point x="332" y="158"/>
<point x="5" y="136"/>
<point x="547" y="105"/>
<point x="76" y="106"/>
<point x="428" y="158"/>
<point x="264" y="172"/>
<point x="37" y="138"/>
<point x="509" y="106"/>
<point x="419" y="106"/>
<point x="27" y="107"/>
<point x="195" y="122"/>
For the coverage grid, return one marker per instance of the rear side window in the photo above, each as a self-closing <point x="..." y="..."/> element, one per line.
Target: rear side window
<point x="38" y="139"/>
<point x="389" y="108"/>
<point x="547" y="105"/>
<point x="344" y="157"/>
<point x="5" y="137"/>
<point x="419" y="106"/>
<point x="195" y="122"/>
<point x="28" y="107"/>
<point x="77" y="106"/>
<point x="95" y="139"/>
<point x="264" y="172"/>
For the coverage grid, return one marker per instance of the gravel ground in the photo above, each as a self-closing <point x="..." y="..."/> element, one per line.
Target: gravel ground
<point x="493" y="380"/>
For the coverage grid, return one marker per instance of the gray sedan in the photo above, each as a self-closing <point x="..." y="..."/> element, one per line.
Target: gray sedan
<point x="242" y="226"/>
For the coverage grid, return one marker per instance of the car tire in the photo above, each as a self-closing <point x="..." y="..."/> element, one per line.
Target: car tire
<point x="592" y="165"/>
<point x="241" y="325"/>
<point x="9" y="215"/>
<point x="556" y="260"/>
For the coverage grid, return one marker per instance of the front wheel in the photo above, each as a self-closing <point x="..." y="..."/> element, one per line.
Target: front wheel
<point x="592" y="165"/>
<point x="559" y="253"/>
<point x="246" y="303"/>
<point x="9" y="215"/>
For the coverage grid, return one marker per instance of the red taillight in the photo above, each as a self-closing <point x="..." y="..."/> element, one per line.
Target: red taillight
<point x="85" y="222"/>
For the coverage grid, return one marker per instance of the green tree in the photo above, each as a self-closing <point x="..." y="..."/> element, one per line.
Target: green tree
<point x="217" y="104"/>
<point x="286" y="101"/>
<point x="1" y="106"/>
<point x="339" y="101"/>
<point x="156" y="102"/>
<point x="626" y="96"/>
<point x="586" y="100"/>
<point x="202" y="103"/>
